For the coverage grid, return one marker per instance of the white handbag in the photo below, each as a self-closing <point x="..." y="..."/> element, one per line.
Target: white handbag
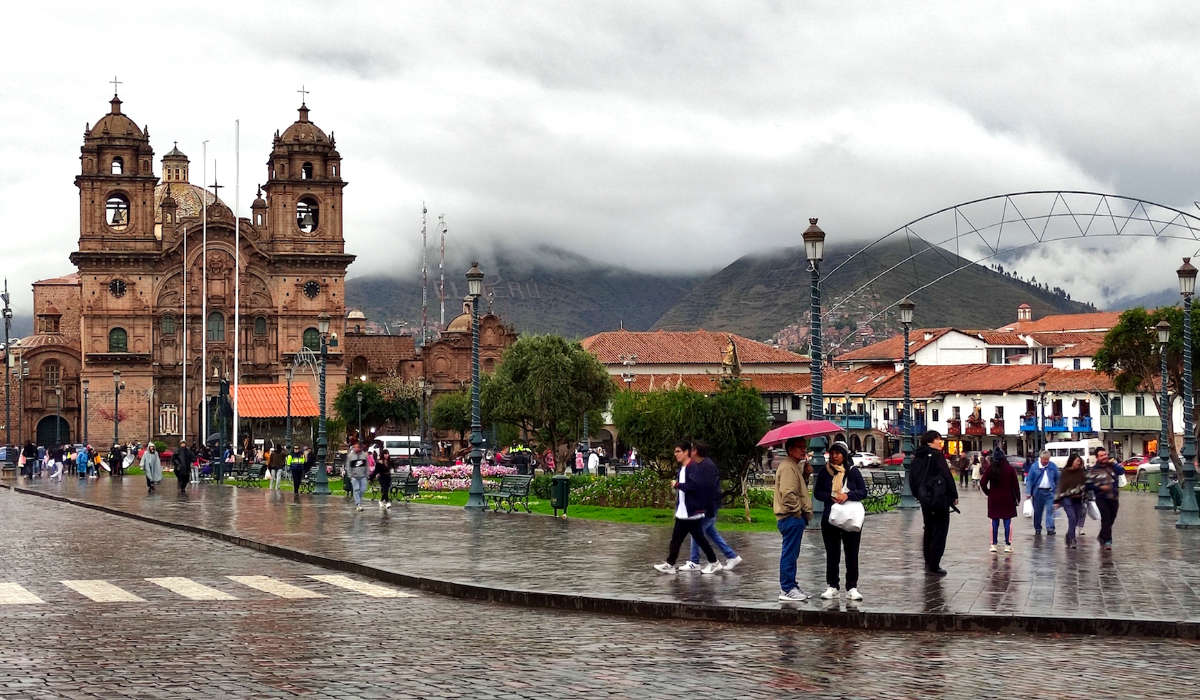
<point x="847" y="516"/>
<point x="1027" y="508"/>
<point x="1093" y="510"/>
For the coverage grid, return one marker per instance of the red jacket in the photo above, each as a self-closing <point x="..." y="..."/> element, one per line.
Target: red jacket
<point x="1003" y="489"/>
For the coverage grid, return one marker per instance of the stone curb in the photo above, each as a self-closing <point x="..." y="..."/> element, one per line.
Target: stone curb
<point x="791" y="616"/>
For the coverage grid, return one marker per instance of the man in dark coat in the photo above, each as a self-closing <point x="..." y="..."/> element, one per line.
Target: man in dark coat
<point x="932" y="484"/>
<point x="181" y="462"/>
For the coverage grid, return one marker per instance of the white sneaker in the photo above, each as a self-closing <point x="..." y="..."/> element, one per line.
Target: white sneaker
<point x="388" y="506"/>
<point x="853" y="594"/>
<point x="689" y="566"/>
<point x="793" y="595"/>
<point x="992" y="549"/>
<point x="729" y="564"/>
<point x="665" y="568"/>
<point x="358" y="508"/>
<point x="711" y="568"/>
<point x="1008" y="549"/>
<point x="829" y="594"/>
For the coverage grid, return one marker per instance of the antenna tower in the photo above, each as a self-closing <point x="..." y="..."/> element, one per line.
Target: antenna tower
<point x="442" y="271"/>
<point x="424" y="278"/>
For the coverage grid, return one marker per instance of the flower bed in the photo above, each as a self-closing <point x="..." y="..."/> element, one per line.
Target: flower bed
<point x="456" y="477"/>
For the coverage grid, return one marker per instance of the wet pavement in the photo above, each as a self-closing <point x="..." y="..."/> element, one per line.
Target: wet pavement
<point x="346" y="644"/>
<point x="1153" y="573"/>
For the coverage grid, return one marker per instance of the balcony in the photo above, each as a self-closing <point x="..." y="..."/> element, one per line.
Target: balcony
<point x="1029" y="424"/>
<point x="894" y="428"/>
<point x="954" y="427"/>
<point x="975" y="426"/>
<point x="1083" y="424"/>
<point x="997" y="426"/>
<point x="1056" y="424"/>
<point x="853" y="422"/>
<point x="1149" y="424"/>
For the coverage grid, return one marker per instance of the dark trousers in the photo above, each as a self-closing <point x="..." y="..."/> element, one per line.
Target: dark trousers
<point x="183" y="480"/>
<point x="962" y="475"/>
<point x="836" y="540"/>
<point x="385" y="485"/>
<point x="683" y="528"/>
<point x="933" y="545"/>
<point x="1108" y="515"/>
<point x="297" y="477"/>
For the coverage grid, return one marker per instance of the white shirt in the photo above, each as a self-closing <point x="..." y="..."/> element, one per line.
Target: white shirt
<point x="681" y="511"/>
<point x="1045" y="482"/>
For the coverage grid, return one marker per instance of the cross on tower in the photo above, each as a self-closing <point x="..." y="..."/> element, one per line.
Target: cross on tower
<point x="216" y="188"/>
<point x="115" y="83"/>
<point x="303" y="94"/>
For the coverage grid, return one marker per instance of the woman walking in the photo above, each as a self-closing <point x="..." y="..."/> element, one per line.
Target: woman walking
<point x="356" y="471"/>
<point x="976" y="471"/>
<point x="1102" y="479"/>
<point x="152" y="466"/>
<point x="383" y="471"/>
<point x="1003" y="489"/>
<point x="697" y="489"/>
<point x="1072" y="486"/>
<point x="838" y="482"/>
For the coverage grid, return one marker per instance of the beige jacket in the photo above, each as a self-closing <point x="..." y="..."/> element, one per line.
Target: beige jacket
<point x="791" y="491"/>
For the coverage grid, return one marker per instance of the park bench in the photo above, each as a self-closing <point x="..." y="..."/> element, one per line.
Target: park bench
<point x="1142" y="482"/>
<point x="404" y="486"/>
<point x="880" y="491"/>
<point x="511" y="492"/>
<point x="308" y="482"/>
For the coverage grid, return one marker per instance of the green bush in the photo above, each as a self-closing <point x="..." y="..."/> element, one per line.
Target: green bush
<point x="641" y="489"/>
<point x="759" y="498"/>
<point x="540" y="486"/>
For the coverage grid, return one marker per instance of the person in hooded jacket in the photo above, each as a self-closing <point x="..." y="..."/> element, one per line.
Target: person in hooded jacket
<point x="932" y="484"/>
<point x="152" y="466"/>
<point x="839" y="481"/>
<point x="1003" y="489"/>
<point x="182" y="464"/>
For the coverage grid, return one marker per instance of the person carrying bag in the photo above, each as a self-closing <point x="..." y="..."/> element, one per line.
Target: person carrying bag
<point x="932" y="484"/>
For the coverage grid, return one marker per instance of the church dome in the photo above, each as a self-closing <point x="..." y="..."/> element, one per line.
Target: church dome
<point x="188" y="200"/>
<point x="356" y="315"/>
<point x="115" y="124"/>
<point x="42" y="340"/>
<point x="302" y="131"/>
<point x="459" y="324"/>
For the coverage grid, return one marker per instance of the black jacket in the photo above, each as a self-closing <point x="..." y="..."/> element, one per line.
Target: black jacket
<point x="823" y="485"/>
<point x="930" y="479"/>
<point x="701" y="490"/>
<point x="182" y="462"/>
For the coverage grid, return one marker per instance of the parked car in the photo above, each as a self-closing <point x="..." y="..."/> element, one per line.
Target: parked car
<point x="895" y="460"/>
<point x="866" y="459"/>
<point x="1150" y="466"/>
<point x="1132" y="464"/>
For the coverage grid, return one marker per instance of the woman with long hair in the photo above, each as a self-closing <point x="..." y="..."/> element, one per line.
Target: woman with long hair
<point x="838" y="482"/>
<point x="1072" y="487"/>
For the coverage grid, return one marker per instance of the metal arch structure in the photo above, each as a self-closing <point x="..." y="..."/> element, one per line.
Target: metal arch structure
<point x="989" y="227"/>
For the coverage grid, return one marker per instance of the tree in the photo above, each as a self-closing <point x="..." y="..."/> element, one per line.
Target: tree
<point x="545" y="384"/>
<point x="452" y="412"/>
<point x="377" y="407"/>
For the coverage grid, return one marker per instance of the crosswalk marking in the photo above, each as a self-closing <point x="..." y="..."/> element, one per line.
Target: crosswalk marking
<point x="16" y="594"/>
<point x="102" y="591"/>
<point x="267" y="584"/>
<point x="361" y="586"/>
<point x="190" y="589"/>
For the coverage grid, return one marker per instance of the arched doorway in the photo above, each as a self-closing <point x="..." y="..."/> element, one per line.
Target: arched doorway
<point x="46" y="433"/>
<point x="855" y="443"/>
<point x="869" y="444"/>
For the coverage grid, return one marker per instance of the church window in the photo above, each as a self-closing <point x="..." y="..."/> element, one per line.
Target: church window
<point x="117" y="212"/>
<point x="118" y="340"/>
<point x="260" y="326"/>
<point x="307" y="214"/>
<point x="168" y="325"/>
<point x="48" y="324"/>
<point x="333" y="169"/>
<point x="52" y="373"/>
<point x="312" y="339"/>
<point x="306" y="171"/>
<point x="216" y="326"/>
<point x="118" y="165"/>
<point x="258" y="220"/>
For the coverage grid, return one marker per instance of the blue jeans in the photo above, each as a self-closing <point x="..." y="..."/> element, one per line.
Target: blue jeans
<point x="792" y="529"/>
<point x="709" y="527"/>
<point x="359" y="484"/>
<point x="1043" y="509"/>
<point x="1007" y="529"/>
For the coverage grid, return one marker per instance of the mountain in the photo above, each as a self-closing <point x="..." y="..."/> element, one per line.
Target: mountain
<point x="1153" y="300"/>
<point x="757" y="296"/>
<point x="541" y="290"/>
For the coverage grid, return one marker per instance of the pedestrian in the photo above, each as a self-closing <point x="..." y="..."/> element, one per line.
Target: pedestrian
<point x="116" y="458"/>
<point x="383" y="471"/>
<point x="1003" y="489"/>
<point x="976" y="470"/>
<point x="696" y="490"/>
<point x="1072" y="487"/>
<point x="1102" y="479"/>
<point x="933" y="486"/>
<point x="793" y="512"/>
<point x="357" y="470"/>
<point x="297" y="465"/>
<point x="56" y="462"/>
<point x="699" y="455"/>
<point x="275" y="466"/>
<point x="181" y="463"/>
<point x="30" y="453"/>
<point x="579" y="466"/>
<point x="838" y="482"/>
<point x="82" y="461"/>
<point x="593" y="463"/>
<point x="1041" y="484"/>
<point x="152" y="467"/>
<point x="964" y="470"/>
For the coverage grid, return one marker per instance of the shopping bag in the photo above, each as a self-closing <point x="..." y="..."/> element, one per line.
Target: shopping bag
<point x="847" y="516"/>
<point x="1093" y="510"/>
<point x="1122" y="480"/>
<point x="1027" y="508"/>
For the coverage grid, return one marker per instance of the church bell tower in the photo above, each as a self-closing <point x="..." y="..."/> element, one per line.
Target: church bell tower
<point x="304" y="190"/>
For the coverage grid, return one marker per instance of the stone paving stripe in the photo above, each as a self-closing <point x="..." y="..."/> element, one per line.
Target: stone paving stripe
<point x="361" y="586"/>
<point x="16" y="594"/>
<point x="275" y="587"/>
<point x="190" y="589"/>
<point x="102" y="591"/>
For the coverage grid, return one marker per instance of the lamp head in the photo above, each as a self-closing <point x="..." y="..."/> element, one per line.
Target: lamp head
<point x="362" y="377"/>
<point x="814" y="241"/>
<point x="1164" y="332"/>
<point x="1041" y="387"/>
<point x="906" y="307"/>
<point x="358" y="395"/>
<point x="116" y="375"/>
<point x="323" y="323"/>
<point x="85" y="383"/>
<point x="474" y="280"/>
<point x="1187" y="277"/>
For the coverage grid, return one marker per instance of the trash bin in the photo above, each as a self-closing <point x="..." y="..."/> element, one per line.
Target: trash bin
<point x="560" y="493"/>
<point x="602" y="470"/>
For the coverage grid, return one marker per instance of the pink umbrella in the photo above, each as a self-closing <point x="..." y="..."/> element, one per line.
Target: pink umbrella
<point x="799" y="428"/>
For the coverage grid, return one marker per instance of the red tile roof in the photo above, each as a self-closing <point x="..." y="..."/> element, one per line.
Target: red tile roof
<point x="863" y="380"/>
<point x="1070" y="380"/>
<point x="1001" y="338"/>
<point x="683" y="347"/>
<point x="772" y="383"/>
<point x="1099" y="320"/>
<point x="270" y="401"/>
<point x="72" y="278"/>
<point x="932" y="380"/>
<point x="892" y="349"/>
<point x="1086" y="347"/>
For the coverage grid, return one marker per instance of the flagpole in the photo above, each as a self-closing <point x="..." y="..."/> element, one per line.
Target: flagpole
<point x="237" y="270"/>
<point x="184" y="401"/>
<point x="204" y="305"/>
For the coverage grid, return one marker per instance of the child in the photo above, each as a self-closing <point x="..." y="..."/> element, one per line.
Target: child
<point x="999" y="482"/>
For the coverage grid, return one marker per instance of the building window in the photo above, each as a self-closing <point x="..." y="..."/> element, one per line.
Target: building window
<point x="216" y="326"/>
<point x="957" y="412"/>
<point x="307" y="214"/>
<point x="168" y="325"/>
<point x="333" y="170"/>
<point x="118" y="340"/>
<point x="48" y="324"/>
<point x="1002" y="356"/>
<point x="1114" y="406"/>
<point x="117" y="212"/>
<point x="312" y="339"/>
<point x="52" y="373"/>
<point x="795" y="403"/>
<point x="306" y="171"/>
<point x="1075" y="363"/>
<point x="258" y="219"/>
<point x="1139" y="405"/>
<point x="934" y="412"/>
<point x="118" y="165"/>
<point x="777" y="403"/>
<point x="260" y="326"/>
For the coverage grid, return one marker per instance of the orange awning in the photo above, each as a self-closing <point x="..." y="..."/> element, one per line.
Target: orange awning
<point x="270" y="401"/>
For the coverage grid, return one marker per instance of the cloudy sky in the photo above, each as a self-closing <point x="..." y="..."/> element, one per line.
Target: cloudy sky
<point x="654" y="135"/>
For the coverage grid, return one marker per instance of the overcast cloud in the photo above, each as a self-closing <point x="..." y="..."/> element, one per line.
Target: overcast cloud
<point x="654" y="135"/>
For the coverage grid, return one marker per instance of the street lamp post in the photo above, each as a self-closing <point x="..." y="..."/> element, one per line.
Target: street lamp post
<point x="1163" y="330"/>
<point x="421" y="412"/>
<point x="85" y="410"/>
<point x="475" y="288"/>
<point x="287" y="429"/>
<point x="118" y="385"/>
<point x="57" y="415"/>
<point x="814" y="248"/>
<point x="358" y="396"/>
<point x="1188" y="515"/>
<point x="906" y="307"/>
<point x="1041" y="433"/>
<point x="321" y="484"/>
<point x="8" y="314"/>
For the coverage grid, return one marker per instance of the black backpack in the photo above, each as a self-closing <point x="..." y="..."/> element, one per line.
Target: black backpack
<point x="932" y="490"/>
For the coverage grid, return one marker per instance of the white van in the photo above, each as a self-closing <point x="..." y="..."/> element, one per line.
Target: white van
<point x="401" y="448"/>
<point x="1059" y="451"/>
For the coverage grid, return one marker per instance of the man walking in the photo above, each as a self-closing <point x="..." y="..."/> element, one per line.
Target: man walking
<point x="793" y="512"/>
<point x="357" y="469"/>
<point x="181" y="462"/>
<point x="1041" y="483"/>
<point x="932" y="484"/>
<point x="708" y="471"/>
<point x="695" y="495"/>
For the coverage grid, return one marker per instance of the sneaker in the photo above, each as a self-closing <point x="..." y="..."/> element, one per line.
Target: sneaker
<point x="795" y="595"/>
<point x="730" y="563"/>
<point x="992" y="549"/>
<point x="711" y="568"/>
<point x="358" y="508"/>
<point x="1037" y="533"/>
<point x="689" y="566"/>
<point x="829" y="594"/>
<point x="387" y="506"/>
<point x="853" y="594"/>
<point x="1008" y="549"/>
<point x="1050" y="532"/>
<point x="665" y="568"/>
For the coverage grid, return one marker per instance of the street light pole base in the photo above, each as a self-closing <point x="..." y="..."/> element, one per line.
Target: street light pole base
<point x="1189" y="514"/>
<point x="321" y="490"/>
